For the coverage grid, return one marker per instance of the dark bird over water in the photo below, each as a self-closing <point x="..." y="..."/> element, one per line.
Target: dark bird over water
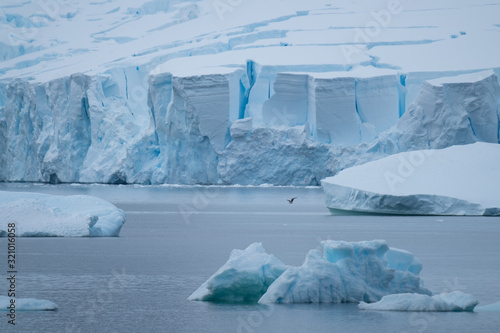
<point x="290" y="201"/>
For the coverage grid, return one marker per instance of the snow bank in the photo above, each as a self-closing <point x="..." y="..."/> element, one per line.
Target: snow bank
<point x="42" y="215"/>
<point x="459" y="180"/>
<point x="27" y="304"/>
<point x="343" y="272"/>
<point x="245" y="277"/>
<point x="454" y="301"/>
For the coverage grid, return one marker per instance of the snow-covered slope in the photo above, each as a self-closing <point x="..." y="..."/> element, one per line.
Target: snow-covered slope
<point x="43" y="215"/>
<point x="458" y="180"/>
<point x="157" y="92"/>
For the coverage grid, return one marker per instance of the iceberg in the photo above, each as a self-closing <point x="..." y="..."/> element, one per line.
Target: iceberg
<point x="27" y="304"/>
<point x="43" y="215"/>
<point x="454" y="301"/>
<point x="245" y="277"/>
<point x="343" y="272"/>
<point x="458" y="180"/>
<point x="495" y="307"/>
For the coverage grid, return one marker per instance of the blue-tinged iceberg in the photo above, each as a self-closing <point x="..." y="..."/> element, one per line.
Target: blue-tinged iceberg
<point x="43" y="215"/>
<point x="454" y="301"/>
<point x="342" y="272"/>
<point x="27" y="304"/>
<point x="345" y="272"/>
<point x="459" y="180"/>
<point x="495" y="307"/>
<point x="245" y="277"/>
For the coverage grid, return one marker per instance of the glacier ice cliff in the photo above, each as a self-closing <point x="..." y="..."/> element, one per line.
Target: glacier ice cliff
<point x="188" y="92"/>
<point x="200" y="129"/>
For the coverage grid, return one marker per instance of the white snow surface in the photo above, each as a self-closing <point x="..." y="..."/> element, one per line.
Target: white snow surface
<point x="245" y="277"/>
<point x="27" y="304"/>
<point x="453" y="301"/>
<point x="43" y="215"/>
<point x="458" y="180"/>
<point x="342" y="272"/>
<point x="154" y="92"/>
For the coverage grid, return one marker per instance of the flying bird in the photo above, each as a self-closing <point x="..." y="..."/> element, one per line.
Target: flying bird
<point x="290" y="201"/>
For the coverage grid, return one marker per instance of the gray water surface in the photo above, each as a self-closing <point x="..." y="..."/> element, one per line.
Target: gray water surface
<point x="177" y="237"/>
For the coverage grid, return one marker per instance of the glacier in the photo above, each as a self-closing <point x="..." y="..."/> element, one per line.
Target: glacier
<point x="44" y="215"/>
<point x="342" y="272"/>
<point x="187" y="93"/>
<point x="454" y="301"/>
<point x="27" y="304"/>
<point x="421" y="182"/>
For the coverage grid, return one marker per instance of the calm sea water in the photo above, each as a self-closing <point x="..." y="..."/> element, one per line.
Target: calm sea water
<point x="177" y="237"/>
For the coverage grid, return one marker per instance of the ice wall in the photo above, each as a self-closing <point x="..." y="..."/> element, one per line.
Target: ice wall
<point x="224" y="127"/>
<point x="192" y="116"/>
<point x="457" y="110"/>
<point x="74" y="129"/>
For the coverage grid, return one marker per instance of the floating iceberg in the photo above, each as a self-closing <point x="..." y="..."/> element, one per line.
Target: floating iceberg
<point x="245" y="277"/>
<point x="459" y="180"/>
<point x="454" y="301"/>
<point x="27" y="304"/>
<point x="495" y="307"/>
<point x="43" y="215"/>
<point x="343" y="272"/>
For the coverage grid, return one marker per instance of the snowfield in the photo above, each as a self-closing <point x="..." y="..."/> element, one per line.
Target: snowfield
<point x="239" y="92"/>
<point x="43" y="215"/>
<point x="459" y="180"/>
